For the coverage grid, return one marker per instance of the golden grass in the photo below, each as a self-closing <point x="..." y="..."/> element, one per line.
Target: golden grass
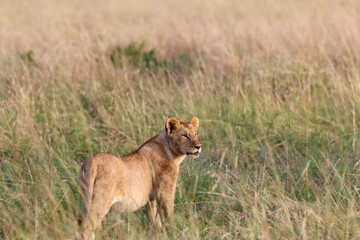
<point x="275" y="85"/>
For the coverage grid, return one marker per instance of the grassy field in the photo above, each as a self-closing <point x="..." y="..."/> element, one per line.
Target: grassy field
<point x="275" y="84"/>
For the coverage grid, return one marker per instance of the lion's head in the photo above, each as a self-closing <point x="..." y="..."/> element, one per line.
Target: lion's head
<point x="183" y="137"/>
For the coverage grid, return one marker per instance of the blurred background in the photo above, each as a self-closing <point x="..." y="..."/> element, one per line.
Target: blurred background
<point x="275" y="85"/>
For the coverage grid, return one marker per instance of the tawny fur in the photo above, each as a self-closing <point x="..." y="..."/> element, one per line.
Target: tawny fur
<point x="145" y="177"/>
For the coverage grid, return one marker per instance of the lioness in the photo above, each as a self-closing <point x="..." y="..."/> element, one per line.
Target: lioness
<point x="146" y="176"/>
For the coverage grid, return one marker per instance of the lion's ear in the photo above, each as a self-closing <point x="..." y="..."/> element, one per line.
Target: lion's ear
<point x="171" y="125"/>
<point x="195" y="122"/>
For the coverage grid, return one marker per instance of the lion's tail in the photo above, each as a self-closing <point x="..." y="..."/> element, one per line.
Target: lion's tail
<point x="90" y="187"/>
<point x="79" y="217"/>
<point x="87" y="181"/>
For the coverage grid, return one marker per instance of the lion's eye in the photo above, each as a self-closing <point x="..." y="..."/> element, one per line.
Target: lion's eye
<point x="186" y="136"/>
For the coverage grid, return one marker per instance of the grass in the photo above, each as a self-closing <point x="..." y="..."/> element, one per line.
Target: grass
<point x="274" y="84"/>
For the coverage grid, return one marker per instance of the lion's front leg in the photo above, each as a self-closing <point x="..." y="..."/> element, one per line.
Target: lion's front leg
<point x="153" y="214"/>
<point x="165" y="193"/>
<point x="166" y="205"/>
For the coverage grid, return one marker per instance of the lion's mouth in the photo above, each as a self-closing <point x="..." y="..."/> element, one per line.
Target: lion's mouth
<point x="193" y="153"/>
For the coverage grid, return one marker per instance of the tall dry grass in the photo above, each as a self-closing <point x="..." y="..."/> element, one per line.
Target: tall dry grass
<point x="274" y="83"/>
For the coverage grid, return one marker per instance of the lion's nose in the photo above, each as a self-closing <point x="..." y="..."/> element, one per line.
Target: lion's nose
<point x="198" y="146"/>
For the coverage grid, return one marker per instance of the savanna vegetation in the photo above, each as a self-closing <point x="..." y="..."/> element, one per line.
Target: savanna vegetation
<point x="275" y="85"/>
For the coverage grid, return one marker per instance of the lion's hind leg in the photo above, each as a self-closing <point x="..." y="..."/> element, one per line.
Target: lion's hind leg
<point x="94" y="215"/>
